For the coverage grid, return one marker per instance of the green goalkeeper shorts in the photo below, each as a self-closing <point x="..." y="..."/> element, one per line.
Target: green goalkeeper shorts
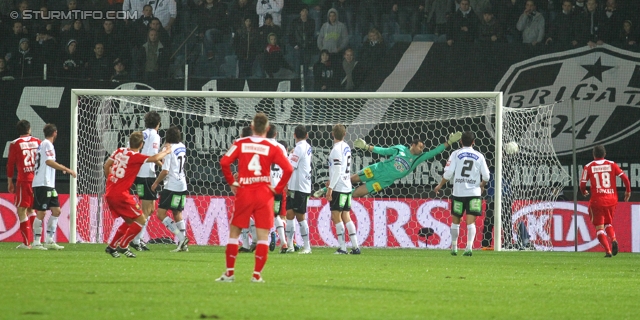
<point x="374" y="181"/>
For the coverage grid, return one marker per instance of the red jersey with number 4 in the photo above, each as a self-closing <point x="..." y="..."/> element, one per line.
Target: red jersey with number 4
<point x="22" y="153"/>
<point x="125" y="167"/>
<point x="602" y="174"/>
<point x="255" y="156"/>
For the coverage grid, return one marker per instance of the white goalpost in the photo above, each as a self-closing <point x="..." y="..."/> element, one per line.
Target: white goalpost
<point x="101" y="120"/>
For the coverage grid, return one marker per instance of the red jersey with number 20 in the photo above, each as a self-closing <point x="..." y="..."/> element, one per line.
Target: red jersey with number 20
<point x="125" y="168"/>
<point x="602" y="174"/>
<point x="255" y="156"/>
<point x="22" y="154"/>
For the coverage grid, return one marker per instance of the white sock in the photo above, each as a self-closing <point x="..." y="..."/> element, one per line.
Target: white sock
<point x="139" y="236"/>
<point x="168" y="222"/>
<point x="455" y="229"/>
<point x="471" y="236"/>
<point x="304" y="232"/>
<point x="52" y="225"/>
<point x="244" y="235"/>
<point x="291" y="230"/>
<point x="340" y="234"/>
<point x="353" y="234"/>
<point x="252" y="229"/>
<point x="280" y="230"/>
<point x="37" y="230"/>
<point x="182" y="230"/>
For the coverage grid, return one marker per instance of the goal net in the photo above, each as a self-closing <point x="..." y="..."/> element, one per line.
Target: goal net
<point x="407" y="214"/>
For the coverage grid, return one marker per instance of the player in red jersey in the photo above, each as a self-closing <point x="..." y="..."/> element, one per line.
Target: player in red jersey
<point x="253" y="190"/>
<point x="121" y="170"/>
<point x="602" y="173"/>
<point x="22" y="155"/>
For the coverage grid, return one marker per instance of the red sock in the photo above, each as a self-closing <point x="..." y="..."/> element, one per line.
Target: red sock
<point x="602" y="237"/>
<point x="31" y="218"/>
<point x="27" y="233"/>
<point x="610" y="232"/>
<point x="262" y="250"/>
<point x="131" y="233"/>
<point x="119" y="234"/>
<point x="231" y="253"/>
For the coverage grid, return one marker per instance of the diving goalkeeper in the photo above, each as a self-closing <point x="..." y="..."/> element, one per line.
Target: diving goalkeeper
<point x="402" y="161"/>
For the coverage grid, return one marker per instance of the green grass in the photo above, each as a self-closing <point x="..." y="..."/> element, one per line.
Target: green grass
<point x="82" y="282"/>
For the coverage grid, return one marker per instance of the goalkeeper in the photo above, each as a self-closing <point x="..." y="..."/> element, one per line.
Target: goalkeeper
<point x="402" y="161"/>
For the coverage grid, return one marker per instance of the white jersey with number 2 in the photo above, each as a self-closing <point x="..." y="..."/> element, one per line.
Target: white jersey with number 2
<point x="340" y="167"/>
<point x="464" y="169"/>
<point x="174" y="163"/>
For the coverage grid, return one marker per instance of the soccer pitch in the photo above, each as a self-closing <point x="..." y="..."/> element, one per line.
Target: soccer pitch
<point x="82" y="282"/>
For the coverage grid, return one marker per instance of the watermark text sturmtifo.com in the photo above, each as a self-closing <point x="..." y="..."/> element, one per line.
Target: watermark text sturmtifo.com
<point x="75" y="15"/>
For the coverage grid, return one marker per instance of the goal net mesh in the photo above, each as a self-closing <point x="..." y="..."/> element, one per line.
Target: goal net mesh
<point x="407" y="214"/>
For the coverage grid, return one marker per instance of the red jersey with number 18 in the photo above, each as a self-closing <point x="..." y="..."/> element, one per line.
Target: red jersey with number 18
<point x="602" y="174"/>
<point x="125" y="168"/>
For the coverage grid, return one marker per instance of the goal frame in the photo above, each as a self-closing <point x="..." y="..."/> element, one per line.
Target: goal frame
<point x="496" y="96"/>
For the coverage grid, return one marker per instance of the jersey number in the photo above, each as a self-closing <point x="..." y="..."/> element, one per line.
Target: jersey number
<point x="181" y="160"/>
<point x="37" y="161"/>
<point x="348" y="169"/>
<point x="606" y="180"/>
<point x="254" y="165"/>
<point x="30" y="157"/>
<point x="468" y="165"/>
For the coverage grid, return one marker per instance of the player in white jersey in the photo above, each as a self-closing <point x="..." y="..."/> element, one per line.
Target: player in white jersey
<point x="174" y="194"/>
<point x="45" y="196"/>
<point x="279" y="203"/>
<point x="299" y="190"/>
<point x="339" y="190"/>
<point x="147" y="174"/>
<point x="470" y="173"/>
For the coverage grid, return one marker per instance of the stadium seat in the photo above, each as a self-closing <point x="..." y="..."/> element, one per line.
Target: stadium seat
<point x="425" y="37"/>
<point x="401" y="38"/>
<point x="229" y="68"/>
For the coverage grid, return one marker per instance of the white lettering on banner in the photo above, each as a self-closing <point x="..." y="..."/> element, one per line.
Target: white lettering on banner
<point x="202" y="230"/>
<point x="5" y="231"/>
<point x="426" y="220"/>
<point x="380" y="225"/>
<point x="635" y="228"/>
<point x="326" y="228"/>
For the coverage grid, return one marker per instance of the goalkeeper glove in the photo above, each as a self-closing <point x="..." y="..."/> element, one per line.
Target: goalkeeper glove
<point x="454" y="137"/>
<point x="360" y="144"/>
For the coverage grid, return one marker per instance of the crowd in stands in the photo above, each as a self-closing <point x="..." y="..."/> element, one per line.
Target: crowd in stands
<point x="334" y="42"/>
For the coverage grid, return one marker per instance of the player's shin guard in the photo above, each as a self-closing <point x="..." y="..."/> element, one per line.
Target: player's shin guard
<point x="119" y="234"/>
<point x="455" y="230"/>
<point x="602" y="238"/>
<point x="340" y="235"/>
<point x="304" y="232"/>
<point x="171" y="225"/>
<point x="262" y="250"/>
<point x="353" y="234"/>
<point x="610" y="232"/>
<point x="25" y="230"/>
<point x="280" y="230"/>
<point x="291" y="229"/>
<point x="52" y="225"/>
<point x="471" y="235"/>
<point x="133" y="229"/>
<point x="182" y="230"/>
<point x="37" y="230"/>
<point x="231" y="253"/>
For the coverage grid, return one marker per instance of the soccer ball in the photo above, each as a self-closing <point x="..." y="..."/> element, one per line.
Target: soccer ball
<point x="511" y="148"/>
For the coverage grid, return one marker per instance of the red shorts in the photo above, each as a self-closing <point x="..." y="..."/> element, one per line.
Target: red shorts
<point x="23" y="197"/>
<point x="601" y="215"/>
<point x="124" y="206"/>
<point x="283" y="205"/>
<point x="256" y="202"/>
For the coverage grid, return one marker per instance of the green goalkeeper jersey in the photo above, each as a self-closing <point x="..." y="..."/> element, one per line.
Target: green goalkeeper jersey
<point x="401" y="161"/>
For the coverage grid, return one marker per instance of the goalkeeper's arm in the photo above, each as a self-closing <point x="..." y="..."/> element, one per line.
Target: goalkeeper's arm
<point x="360" y="144"/>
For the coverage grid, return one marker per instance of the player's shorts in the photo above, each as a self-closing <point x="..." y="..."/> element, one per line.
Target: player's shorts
<point x="172" y="200"/>
<point x="124" y="206"/>
<point x="280" y="205"/>
<point x="374" y="181"/>
<point x="297" y="201"/>
<point x="468" y="205"/>
<point x="340" y="201"/>
<point x="23" y="197"/>
<point x="142" y="188"/>
<point x="256" y="202"/>
<point x="601" y="215"/>
<point x="45" y="198"/>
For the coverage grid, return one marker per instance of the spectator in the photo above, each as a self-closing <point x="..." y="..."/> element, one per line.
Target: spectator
<point x="480" y="7"/>
<point x="4" y="69"/>
<point x="113" y="40"/>
<point x="66" y="25"/>
<point x="135" y="7"/>
<point x="43" y="24"/>
<point x="352" y="72"/>
<point x="580" y="6"/>
<point x="333" y="36"/>
<point x="247" y="47"/>
<point x="140" y="27"/>
<point x="373" y="49"/>
<point x="324" y="74"/>
<point x="72" y="63"/>
<point x="272" y="7"/>
<point x="10" y="43"/>
<point x="627" y="38"/>
<point x="165" y="11"/>
<point x="436" y="14"/>
<point x="345" y="14"/>
<point x="80" y="35"/>
<point x="120" y="73"/>
<point x="611" y="22"/>
<point x="274" y="64"/>
<point x="369" y="12"/>
<point x="238" y="10"/>
<point x="22" y="6"/>
<point x="508" y="12"/>
<point x="463" y="24"/>
<point x="589" y="24"/>
<point x="408" y="15"/>
<point x="25" y="61"/>
<point x="213" y="24"/>
<point x="48" y="48"/>
<point x="163" y="35"/>
<point x="267" y="28"/>
<point x="531" y="24"/>
<point x="490" y="30"/>
<point x="302" y="39"/>
<point x="152" y="59"/>
<point x="98" y="66"/>
<point x="562" y="33"/>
